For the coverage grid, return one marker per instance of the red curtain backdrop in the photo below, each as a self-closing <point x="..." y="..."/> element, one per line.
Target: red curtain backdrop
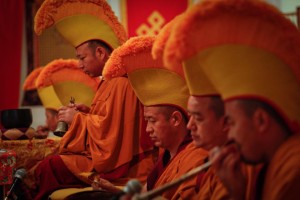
<point x="11" y="21"/>
<point x="146" y="17"/>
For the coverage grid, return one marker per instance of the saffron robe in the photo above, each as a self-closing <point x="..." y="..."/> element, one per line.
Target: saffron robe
<point x="110" y="140"/>
<point x="282" y="177"/>
<point x="184" y="161"/>
<point x="211" y="187"/>
<point x="110" y="135"/>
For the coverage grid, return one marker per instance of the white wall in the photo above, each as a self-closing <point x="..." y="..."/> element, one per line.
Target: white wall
<point x="115" y="5"/>
<point x="289" y="5"/>
<point x="275" y="3"/>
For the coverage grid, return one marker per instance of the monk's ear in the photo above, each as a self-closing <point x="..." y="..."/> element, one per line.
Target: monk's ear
<point x="100" y="52"/>
<point x="176" y="118"/>
<point x="225" y="124"/>
<point x="261" y="120"/>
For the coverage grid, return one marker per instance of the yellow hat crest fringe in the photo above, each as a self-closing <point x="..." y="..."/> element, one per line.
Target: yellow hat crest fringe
<point x="249" y="33"/>
<point x="54" y="66"/>
<point x="53" y="12"/>
<point x="247" y="49"/>
<point x="151" y="81"/>
<point x="162" y="37"/>
<point x="116" y="65"/>
<point x="61" y="79"/>
<point x="30" y="81"/>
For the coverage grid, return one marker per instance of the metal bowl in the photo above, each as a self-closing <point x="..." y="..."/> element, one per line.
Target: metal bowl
<point x="16" y="118"/>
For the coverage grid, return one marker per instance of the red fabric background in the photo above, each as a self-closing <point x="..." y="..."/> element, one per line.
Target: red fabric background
<point x="11" y="21"/>
<point x="136" y="16"/>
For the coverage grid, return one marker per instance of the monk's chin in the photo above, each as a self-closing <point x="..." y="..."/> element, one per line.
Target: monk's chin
<point x="249" y="161"/>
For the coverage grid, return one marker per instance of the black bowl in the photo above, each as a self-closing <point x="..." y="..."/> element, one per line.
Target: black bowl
<point x="16" y="118"/>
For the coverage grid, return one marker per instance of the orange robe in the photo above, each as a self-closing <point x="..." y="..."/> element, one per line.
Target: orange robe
<point x="187" y="159"/>
<point x="252" y="172"/>
<point x="211" y="187"/>
<point x="110" y="139"/>
<point x="282" y="177"/>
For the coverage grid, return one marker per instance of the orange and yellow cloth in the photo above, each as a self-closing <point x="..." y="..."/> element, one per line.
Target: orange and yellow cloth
<point x="29" y="153"/>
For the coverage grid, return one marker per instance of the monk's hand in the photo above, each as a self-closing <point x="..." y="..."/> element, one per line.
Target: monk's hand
<point x="66" y="114"/>
<point x="227" y="163"/>
<point x="42" y="131"/>
<point x="103" y="184"/>
<point x="82" y="108"/>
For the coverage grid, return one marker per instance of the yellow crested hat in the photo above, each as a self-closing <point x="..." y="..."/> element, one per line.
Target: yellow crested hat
<point x="30" y="81"/>
<point x="151" y="81"/>
<point x="81" y="20"/>
<point x="197" y="82"/>
<point x="247" y="49"/>
<point x="161" y="39"/>
<point x="60" y="80"/>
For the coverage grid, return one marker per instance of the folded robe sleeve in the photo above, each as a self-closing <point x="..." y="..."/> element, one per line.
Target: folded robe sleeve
<point x="110" y="135"/>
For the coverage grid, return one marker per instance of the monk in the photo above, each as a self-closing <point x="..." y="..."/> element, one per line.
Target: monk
<point x="245" y="67"/>
<point x="164" y="95"/>
<point x="208" y="121"/>
<point x="106" y="138"/>
<point x="205" y="107"/>
<point x="50" y="82"/>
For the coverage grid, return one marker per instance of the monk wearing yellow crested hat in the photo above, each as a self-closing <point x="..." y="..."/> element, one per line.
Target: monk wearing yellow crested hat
<point x="55" y="83"/>
<point x="251" y="54"/>
<point x="52" y="82"/>
<point x="164" y="94"/>
<point x="105" y="137"/>
<point x="207" y="122"/>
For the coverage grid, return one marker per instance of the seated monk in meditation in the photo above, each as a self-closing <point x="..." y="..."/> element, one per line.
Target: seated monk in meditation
<point x="164" y="95"/>
<point x="108" y="136"/>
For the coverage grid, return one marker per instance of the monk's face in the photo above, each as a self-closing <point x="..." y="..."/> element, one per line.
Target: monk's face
<point x="91" y="61"/>
<point x="159" y="127"/>
<point x="243" y="132"/>
<point x="207" y="129"/>
<point x="51" y="119"/>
